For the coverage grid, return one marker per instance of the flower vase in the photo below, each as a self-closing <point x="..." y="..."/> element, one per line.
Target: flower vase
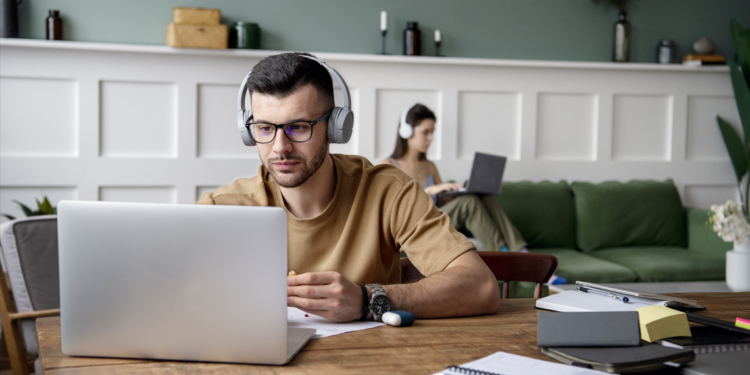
<point x="738" y="266"/>
<point x="621" y="45"/>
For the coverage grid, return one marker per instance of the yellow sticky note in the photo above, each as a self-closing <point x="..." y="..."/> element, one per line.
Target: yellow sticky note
<point x="659" y="322"/>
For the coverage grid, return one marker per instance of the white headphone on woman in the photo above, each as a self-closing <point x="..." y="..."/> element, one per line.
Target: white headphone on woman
<point x="404" y="129"/>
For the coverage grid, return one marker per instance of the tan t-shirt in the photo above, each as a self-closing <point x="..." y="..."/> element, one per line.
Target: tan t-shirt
<point x="376" y="212"/>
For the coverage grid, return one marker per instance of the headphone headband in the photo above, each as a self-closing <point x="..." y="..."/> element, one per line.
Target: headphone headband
<point x="339" y="124"/>
<point x="336" y="77"/>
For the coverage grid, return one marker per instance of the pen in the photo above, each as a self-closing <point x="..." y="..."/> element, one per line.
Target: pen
<point x="601" y="293"/>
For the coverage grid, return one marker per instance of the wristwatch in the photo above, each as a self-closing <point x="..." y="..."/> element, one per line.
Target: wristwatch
<point x="379" y="303"/>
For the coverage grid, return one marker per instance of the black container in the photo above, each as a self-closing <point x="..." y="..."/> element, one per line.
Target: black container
<point x="54" y="25"/>
<point x="9" y="18"/>
<point x="666" y="52"/>
<point x="412" y="39"/>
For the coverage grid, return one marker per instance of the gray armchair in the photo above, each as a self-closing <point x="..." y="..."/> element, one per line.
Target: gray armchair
<point x="29" y="256"/>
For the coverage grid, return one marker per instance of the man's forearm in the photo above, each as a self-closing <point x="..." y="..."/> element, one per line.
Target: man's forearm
<point x="462" y="289"/>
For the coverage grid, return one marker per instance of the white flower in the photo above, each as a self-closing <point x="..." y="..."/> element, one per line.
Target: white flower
<point x="728" y="222"/>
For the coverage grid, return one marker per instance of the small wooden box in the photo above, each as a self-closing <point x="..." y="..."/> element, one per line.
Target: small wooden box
<point x="197" y="16"/>
<point x="197" y="36"/>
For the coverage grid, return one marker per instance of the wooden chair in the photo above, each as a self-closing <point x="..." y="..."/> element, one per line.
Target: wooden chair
<point x="30" y="256"/>
<point x="409" y="273"/>
<point x="506" y="266"/>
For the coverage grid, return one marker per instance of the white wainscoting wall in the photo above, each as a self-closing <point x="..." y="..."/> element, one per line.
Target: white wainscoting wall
<point x="157" y="124"/>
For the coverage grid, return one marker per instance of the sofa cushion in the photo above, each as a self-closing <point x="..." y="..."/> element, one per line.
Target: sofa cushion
<point x="636" y="213"/>
<point x="661" y="263"/>
<point x="543" y="212"/>
<point x="701" y="237"/>
<point x="577" y="266"/>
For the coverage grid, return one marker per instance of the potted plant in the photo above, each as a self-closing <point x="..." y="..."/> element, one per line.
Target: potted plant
<point x="730" y="224"/>
<point x="738" y="260"/>
<point x="42" y="208"/>
<point x="737" y="147"/>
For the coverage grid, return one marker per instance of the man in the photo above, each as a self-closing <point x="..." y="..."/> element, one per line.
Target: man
<point x="347" y="219"/>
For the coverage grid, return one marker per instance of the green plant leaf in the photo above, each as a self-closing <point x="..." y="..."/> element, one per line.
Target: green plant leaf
<point x="735" y="147"/>
<point x="27" y="211"/>
<point x="45" y="208"/>
<point x="741" y="37"/>
<point x="742" y="97"/>
<point x="9" y="217"/>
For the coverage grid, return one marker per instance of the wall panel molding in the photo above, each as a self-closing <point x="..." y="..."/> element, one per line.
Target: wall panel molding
<point x="555" y="120"/>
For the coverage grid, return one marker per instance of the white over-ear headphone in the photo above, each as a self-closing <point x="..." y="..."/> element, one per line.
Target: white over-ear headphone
<point x="405" y="130"/>
<point x="339" y="125"/>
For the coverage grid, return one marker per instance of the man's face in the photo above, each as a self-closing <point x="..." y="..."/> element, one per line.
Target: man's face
<point x="291" y="163"/>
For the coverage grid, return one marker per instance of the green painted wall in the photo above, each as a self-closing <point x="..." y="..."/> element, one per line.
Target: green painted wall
<point x="576" y="30"/>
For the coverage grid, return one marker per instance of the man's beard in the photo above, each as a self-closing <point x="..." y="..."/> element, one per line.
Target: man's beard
<point x="292" y="180"/>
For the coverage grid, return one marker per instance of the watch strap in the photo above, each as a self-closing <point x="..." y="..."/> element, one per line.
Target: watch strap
<point x="365" y="302"/>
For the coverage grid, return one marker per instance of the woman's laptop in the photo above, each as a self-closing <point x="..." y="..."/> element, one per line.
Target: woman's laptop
<point x="486" y="176"/>
<point x="178" y="282"/>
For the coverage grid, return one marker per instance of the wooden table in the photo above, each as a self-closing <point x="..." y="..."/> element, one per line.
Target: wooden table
<point x="428" y="346"/>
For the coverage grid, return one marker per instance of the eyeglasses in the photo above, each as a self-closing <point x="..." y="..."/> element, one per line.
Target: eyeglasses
<point x="296" y="131"/>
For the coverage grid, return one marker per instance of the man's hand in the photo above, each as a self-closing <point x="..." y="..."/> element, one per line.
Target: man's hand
<point x="326" y="294"/>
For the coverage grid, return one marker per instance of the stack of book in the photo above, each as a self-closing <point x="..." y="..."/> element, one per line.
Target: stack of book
<point x="707" y="339"/>
<point x="701" y="60"/>
<point x="658" y="323"/>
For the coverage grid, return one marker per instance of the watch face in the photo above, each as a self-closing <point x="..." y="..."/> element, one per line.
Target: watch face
<point x="380" y="305"/>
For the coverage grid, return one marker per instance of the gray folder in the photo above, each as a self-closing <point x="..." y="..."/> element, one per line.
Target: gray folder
<point x="590" y="329"/>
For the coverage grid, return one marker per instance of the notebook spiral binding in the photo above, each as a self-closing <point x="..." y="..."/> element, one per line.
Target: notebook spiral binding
<point x="468" y="371"/>
<point x="719" y="348"/>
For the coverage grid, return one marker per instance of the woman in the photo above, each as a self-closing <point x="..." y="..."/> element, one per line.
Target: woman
<point x="481" y="216"/>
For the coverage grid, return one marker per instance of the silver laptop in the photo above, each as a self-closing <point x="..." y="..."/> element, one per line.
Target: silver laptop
<point x="177" y="282"/>
<point x="486" y="176"/>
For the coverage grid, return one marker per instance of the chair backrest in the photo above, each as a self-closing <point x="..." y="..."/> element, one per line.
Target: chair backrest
<point x="30" y="254"/>
<point x="506" y="267"/>
<point x="409" y="273"/>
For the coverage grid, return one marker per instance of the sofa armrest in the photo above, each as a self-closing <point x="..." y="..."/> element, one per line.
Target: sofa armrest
<point x="700" y="236"/>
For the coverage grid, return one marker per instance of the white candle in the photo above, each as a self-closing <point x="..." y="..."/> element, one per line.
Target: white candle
<point x="383" y="21"/>
<point x="437" y="36"/>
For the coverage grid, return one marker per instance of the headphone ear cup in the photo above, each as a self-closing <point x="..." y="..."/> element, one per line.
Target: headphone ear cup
<point x="340" y="125"/>
<point x="405" y="130"/>
<point x="244" y="133"/>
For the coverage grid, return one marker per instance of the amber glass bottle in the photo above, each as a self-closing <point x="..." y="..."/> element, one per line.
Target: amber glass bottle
<point x="412" y="39"/>
<point x="54" y="25"/>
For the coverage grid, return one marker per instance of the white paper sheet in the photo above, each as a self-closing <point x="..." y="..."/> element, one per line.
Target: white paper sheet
<point x="324" y="327"/>
<point x="511" y="364"/>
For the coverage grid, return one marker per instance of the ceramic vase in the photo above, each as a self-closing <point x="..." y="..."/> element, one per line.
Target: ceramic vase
<point x="738" y="267"/>
<point x="704" y="46"/>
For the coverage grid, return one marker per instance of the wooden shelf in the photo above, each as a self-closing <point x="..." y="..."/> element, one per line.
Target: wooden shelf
<point x="396" y="59"/>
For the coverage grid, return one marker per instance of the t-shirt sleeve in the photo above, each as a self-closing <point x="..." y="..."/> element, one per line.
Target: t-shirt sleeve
<point x="423" y="232"/>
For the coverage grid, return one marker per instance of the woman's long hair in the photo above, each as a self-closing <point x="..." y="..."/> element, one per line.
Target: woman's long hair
<point x="414" y="117"/>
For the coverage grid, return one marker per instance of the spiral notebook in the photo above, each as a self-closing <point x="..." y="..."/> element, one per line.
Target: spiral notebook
<point x="502" y="363"/>
<point x="709" y="340"/>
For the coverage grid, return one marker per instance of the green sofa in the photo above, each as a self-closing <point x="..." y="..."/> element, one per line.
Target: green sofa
<point x="615" y="232"/>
